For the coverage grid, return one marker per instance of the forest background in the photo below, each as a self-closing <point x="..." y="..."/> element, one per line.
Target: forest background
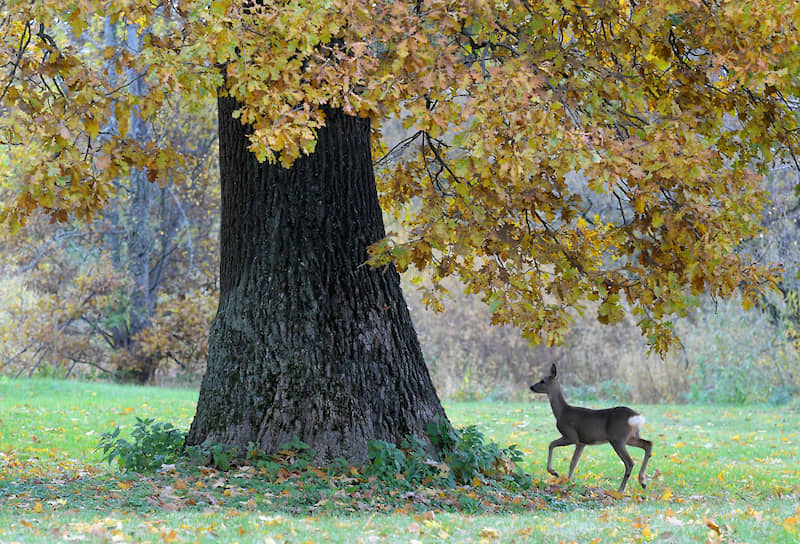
<point x="70" y="304"/>
<point x="129" y="296"/>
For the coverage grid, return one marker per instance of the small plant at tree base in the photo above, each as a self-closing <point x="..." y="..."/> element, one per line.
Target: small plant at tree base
<point x="469" y="455"/>
<point x="441" y="434"/>
<point x="466" y="456"/>
<point x="386" y="460"/>
<point x="292" y="456"/>
<point x="218" y="455"/>
<point x="295" y="455"/>
<point x="222" y="456"/>
<point x="154" y="444"/>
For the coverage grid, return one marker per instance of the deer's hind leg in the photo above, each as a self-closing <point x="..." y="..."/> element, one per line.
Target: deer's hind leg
<point x="622" y="451"/>
<point x="647" y="446"/>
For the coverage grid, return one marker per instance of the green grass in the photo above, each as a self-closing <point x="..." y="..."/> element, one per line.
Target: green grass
<point x="724" y="474"/>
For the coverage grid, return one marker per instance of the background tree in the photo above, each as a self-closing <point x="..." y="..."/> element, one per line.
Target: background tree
<point x="513" y="108"/>
<point x="113" y="292"/>
<point x="75" y="311"/>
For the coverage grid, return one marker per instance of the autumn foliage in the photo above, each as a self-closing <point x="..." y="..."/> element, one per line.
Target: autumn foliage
<point x="70" y="315"/>
<point x="521" y="117"/>
<point x="68" y="305"/>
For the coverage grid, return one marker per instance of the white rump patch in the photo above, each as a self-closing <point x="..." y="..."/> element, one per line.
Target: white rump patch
<point x="636" y="421"/>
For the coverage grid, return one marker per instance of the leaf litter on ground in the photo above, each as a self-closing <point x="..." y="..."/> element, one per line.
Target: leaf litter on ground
<point x="746" y="485"/>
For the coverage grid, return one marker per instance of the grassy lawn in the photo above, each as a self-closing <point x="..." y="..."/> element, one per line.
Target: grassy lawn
<point x="718" y="474"/>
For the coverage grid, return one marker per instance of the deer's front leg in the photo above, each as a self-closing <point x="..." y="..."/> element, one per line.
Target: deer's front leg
<point x="575" y="458"/>
<point x="558" y="442"/>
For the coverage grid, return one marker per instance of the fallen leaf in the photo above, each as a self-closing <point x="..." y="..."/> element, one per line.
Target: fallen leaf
<point x="271" y="520"/>
<point x="711" y="524"/>
<point x="427" y="515"/>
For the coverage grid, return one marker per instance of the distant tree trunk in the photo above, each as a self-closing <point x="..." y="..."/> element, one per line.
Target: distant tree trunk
<point x="307" y="342"/>
<point x="139" y="248"/>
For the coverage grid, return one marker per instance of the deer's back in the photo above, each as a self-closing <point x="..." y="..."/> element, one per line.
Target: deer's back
<point x="595" y="426"/>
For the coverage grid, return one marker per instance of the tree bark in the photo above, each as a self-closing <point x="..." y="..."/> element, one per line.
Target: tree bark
<point x="308" y="342"/>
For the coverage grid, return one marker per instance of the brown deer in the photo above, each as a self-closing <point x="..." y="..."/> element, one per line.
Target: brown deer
<point x="581" y="426"/>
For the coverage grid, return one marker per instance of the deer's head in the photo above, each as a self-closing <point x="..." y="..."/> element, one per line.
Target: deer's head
<point x="546" y="384"/>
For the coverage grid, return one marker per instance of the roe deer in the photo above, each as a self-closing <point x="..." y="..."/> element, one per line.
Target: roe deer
<point x="582" y="426"/>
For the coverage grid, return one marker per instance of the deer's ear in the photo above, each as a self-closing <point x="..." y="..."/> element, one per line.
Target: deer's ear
<point x="553" y="371"/>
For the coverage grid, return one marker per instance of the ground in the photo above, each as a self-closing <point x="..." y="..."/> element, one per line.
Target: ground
<point x="718" y="473"/>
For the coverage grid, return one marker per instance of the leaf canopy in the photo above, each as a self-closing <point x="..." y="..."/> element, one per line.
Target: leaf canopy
<point x="521" y="116"/>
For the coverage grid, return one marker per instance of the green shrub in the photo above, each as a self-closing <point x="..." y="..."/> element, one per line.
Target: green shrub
<point x="783" y="394"/>
<point x="605" y="390"/>
<point x="154" y="444"/>
<point x="293" y="456"/>
<point x="387" y="461"/>
<point x="470" y="456"/>
<point x="727" y="366"/>
<point x="222" y="456"/>
<point x="465" y="457"/>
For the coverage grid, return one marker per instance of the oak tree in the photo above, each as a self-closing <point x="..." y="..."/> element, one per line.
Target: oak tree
<point x="520" y="114"/>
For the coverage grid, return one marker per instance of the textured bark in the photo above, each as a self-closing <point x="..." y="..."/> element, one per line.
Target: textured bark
<point x="308" y="342"/>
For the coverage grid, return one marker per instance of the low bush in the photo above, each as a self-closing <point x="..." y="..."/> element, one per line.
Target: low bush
<point x="467" y="458"/>
<point x="731" y="366"/>
<point x="154" y="444"/>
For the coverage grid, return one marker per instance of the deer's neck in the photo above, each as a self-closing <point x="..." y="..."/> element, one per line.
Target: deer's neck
<point x="557" y="402"/>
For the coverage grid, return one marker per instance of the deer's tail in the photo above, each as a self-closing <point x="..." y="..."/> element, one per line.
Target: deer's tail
<point x="636" y="422"/>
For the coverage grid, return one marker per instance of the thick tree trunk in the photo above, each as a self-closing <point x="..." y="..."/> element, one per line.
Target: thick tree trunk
<point x="308" y="342"/>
